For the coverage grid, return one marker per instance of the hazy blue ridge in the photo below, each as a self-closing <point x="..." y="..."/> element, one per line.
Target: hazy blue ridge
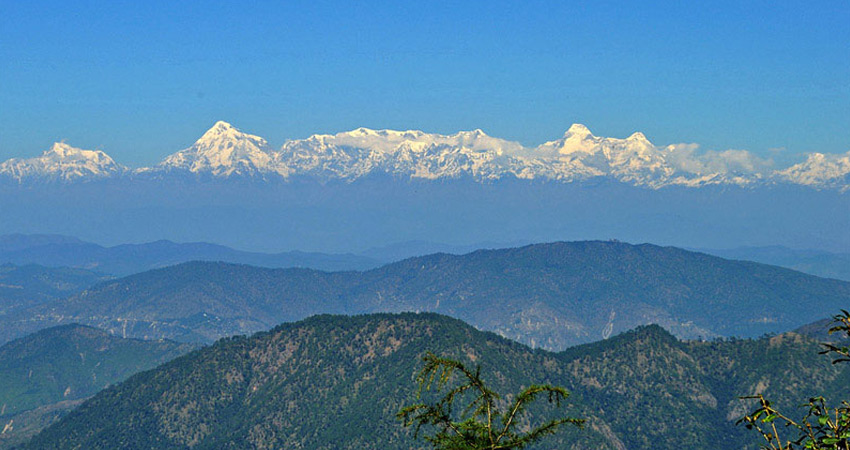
<point x="545" y="295"/>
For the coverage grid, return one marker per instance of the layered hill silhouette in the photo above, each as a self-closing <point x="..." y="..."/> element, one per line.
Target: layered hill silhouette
<point x="44" y="375"/>
<point x="546" y="295"/>
<point x="127" y="259"/>
<point x="337" y="382"/>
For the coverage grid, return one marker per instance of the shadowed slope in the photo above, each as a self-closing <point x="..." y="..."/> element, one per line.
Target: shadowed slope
<point x="545" y="295"/>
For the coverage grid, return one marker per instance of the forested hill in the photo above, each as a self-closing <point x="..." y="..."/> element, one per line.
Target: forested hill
<point x="44" y="375"/>
<point x="336" y="382"/>
<point x="546" y="295"/>
<point x="29" y="285"/>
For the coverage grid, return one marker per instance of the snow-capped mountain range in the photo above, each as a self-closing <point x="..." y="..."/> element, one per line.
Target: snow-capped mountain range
<point x="62" y="163"/>
<point x="225" y="152"/>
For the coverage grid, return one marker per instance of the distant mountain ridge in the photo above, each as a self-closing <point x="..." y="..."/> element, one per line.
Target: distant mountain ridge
<point x="815" y="262"/>
<point x="545" y="295"/>
<point x="125" y="259"/>
<point x="225" y="152"/>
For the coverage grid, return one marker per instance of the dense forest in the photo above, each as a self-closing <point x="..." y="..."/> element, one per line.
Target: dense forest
<point x="338" y="382"/>
<point x="46" y="374"/>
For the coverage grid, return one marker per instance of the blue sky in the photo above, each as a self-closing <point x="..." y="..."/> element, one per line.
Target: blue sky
<point x="141" y="80"/>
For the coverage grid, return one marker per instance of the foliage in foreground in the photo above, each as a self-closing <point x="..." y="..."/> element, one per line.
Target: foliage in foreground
<point x="822" y="427"/>
<point x="481" y="424"/>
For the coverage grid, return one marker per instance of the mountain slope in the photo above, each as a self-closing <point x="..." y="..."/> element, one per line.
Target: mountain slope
<point x="337" y="382"/>
<point x="582" y="291"/>
<point x="328" y="382"/>
<point x="30" y="285"/>
<point x="545" y="295"/>
<point x="815" y="262"/>
<point x="45" y="374"/>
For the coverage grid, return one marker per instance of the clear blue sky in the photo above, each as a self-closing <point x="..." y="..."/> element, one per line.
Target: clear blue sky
<point x="142" y="79"/>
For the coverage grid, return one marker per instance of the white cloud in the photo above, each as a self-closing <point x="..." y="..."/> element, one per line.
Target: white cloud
<point x="687" y="158"/>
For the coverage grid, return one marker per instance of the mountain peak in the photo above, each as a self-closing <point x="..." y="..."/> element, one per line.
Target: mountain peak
<point x="222" y="132"/>
<point x="62" y="149"/>
<point x="474" y="134"/>
<point x="637" y="136"/>
<point x="820" y="170"/>
<point x="224" y="150"/>
<point x="221" y="128"/>
<point x="363" y="131"/>
<point x="62" y="162"/>
<point x="222" y="124"/>
<point x="578" y="130"/>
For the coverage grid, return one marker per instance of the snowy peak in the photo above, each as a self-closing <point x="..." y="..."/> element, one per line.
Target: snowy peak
<point x="62" y="152"/>
<point x="408" y="154"/>
<point x="820" y="171"/>
<point x="381" y="134"/>
<point x="222" y="126"/>
<point x="577" y="139"/>
<point x="637" y="137"/>
<point x="578" y="130"/>
<point x="223" y="133"/>
<point x="223" y="130"/>
<point x="62" y="163"/>
<point x="224" y="151"/>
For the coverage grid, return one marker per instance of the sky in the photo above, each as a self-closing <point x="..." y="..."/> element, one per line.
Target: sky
<point x="141" y="80"/>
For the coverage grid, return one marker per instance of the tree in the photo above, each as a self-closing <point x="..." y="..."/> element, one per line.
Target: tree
<point x="481" y="424"/>
<point x="823" y="427"/>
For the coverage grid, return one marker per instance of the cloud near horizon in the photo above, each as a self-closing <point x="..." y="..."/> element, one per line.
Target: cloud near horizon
<point x="686" y="157"/>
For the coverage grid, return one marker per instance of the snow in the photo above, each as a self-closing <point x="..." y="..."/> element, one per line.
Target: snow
<point x="62" y="162"/>
<point x="821" y="171"/>
<point x="224" y="151"/>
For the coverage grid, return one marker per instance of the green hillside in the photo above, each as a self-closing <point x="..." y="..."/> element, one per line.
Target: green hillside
<point x="547" y="295"/>
<point x="45" y="374"/>
<point x="336" y="382"/>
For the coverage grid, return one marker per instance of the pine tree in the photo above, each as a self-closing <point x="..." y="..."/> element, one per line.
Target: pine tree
<point x="481" y="424"/>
